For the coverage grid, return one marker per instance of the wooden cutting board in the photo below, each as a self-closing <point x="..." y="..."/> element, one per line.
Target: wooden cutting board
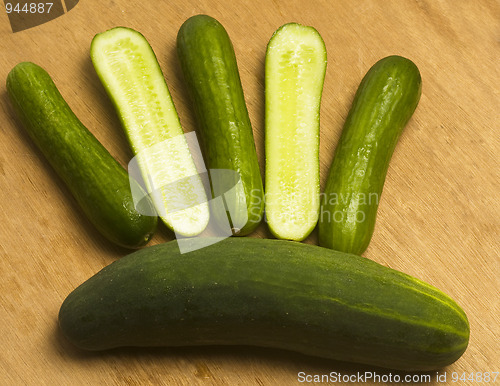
<point x="438" y="217"/>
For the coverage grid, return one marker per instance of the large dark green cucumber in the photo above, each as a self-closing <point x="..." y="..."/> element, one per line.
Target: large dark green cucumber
<point x="386" y="99"/>
<point x="270" y="293"/>
<point x="98" y="182"/>
<point x="210" y="70"/>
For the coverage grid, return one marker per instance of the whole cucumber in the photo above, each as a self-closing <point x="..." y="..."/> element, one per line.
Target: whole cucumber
<point x="270" y="293"/>
<point x="386" y="99"/>
<point x="100" y="185"/>
<point x="211" y="73"/>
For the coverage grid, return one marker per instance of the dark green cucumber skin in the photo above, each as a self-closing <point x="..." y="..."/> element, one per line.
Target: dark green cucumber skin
<point x="269" y="293"/>
<point x="97" y="181"/>
<point x="384" y="102"/>
<point x="211" y="74"/>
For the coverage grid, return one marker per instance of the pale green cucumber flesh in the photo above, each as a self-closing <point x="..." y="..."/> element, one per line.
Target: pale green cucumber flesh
<point x="270" y="293"/>
<point x="130" y="73"/>
<point x="295" y="71"/>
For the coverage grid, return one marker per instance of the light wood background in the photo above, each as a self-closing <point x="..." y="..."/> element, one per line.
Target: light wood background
<point x="438" y="218"/>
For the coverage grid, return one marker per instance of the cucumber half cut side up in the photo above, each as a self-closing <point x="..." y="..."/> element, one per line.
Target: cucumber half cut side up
<point x="294" y="75"/>
<point x="131" y="75"/>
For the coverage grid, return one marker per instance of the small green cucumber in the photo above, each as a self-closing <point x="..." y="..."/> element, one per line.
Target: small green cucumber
<point x="295" y="72"/>
<point x="269" y="293"/>
<point x="211" y="74"/>
<point x="100" y="185"/>
<point x="131" y="75"/>
<point x="386" y="99"/>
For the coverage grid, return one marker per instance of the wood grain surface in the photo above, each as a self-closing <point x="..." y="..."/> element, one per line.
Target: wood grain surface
<point x="438" y="218"/>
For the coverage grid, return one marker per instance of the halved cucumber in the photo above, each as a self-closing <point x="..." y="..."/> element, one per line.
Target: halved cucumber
<point x="129" y="71"/>
<point x="295" y="71"/>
